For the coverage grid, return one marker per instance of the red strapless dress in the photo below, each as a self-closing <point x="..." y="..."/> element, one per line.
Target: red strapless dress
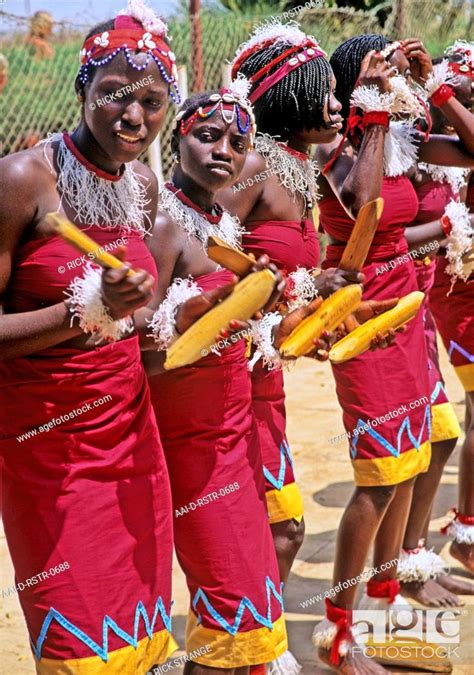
<point x="432" y="199"/>
<point x="454" y="314"/>
<point x="89" y="489"/>
<point x="223" y="541"/>
<point x="289" y="245"/>
<point x="385" y="394"/>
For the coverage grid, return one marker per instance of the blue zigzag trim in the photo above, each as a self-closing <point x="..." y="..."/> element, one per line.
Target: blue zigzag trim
<point x="285" y="455"/>
<point x="245" y="603"/>
<point x="107" y="623"/>
<point x="439" y="387"/>
<point x="454" y="346"/>
<point x="416" y="442"/>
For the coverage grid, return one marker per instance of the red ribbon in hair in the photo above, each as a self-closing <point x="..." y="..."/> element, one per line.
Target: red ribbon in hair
<point x="383" y="589"/>
<point x="343" y="620"/>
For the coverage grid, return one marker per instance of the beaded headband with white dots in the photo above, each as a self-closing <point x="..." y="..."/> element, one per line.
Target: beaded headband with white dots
<point x="130" y="36"/>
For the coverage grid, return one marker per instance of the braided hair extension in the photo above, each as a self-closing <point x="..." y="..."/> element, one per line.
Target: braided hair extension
<point x="189" y="107"/>
<point x="296" y="102"/>
<point x="346" y="62"/>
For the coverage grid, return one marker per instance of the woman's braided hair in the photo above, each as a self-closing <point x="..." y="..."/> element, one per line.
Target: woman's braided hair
<point x="347" y="61"/>
<point x="294" y="103"/>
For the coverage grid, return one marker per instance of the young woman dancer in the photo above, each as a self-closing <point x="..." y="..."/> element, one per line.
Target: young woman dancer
<point x="421" y="571"/>
<point x="204" y="412"/>
<point x="87" y="506"/>
<point x="274" y="199"/>
<point x="395" y="399"/>
<point x="452" y="304"/>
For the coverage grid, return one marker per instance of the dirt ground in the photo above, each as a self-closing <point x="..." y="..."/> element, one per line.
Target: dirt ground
<point x="325" y="476"/>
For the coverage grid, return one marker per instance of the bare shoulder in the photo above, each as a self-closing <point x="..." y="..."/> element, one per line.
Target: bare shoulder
<point x="324" y="151"/>
<point x="167" y="237"/>
<point x="25" y="178"/>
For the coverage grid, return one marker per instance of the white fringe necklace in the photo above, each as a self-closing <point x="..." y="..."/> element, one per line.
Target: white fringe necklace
<point x="196" y="224"/>
<point x="454" y="176"/>
<point x="296" y="175"/>
<point x="97" y="201"/>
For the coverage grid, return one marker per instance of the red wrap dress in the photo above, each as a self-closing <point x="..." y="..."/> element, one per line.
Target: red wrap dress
<point x="223" y="541"/>
<point x="384" y="394"/>
<point x="454" y="314"/>
<point x="433" y="197"/>
<point x="85" y="483"/>
<point x="289" y="244"/>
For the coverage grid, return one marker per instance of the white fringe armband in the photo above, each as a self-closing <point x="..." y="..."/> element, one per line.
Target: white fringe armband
<point x="300" y="289"/>
<point x="419" y="565"/>
<point x="86" y="304"/>
<point x="163" y="323"/>
<point x="400" y="100"/>
<point x="369" y="98"/>
<point x="441" y="74"/>
<point x="459" y="240"/>
<point x="262" y="336"/>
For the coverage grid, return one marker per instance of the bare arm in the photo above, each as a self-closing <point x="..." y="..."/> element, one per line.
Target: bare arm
<point x="355" y="180"/>
<point x="25" y="186"/>
<point x="26" y="332"/>
<point x="445" y="151"/>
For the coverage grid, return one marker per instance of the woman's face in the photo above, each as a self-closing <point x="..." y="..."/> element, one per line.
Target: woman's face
<point x="399" y="61"/>
<point x="213" y="153"/>
<point x="332" y="121"/>
<point x="125" y="109"/>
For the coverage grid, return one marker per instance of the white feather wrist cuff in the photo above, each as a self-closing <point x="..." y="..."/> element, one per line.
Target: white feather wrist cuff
<point x="441" y="74"/>
<point x="262" y="337"/>
<point x="86" y="304"/>
<point x="163" y="322"/>
<point x="370" y="99"/>
<point x="300" y="289"/>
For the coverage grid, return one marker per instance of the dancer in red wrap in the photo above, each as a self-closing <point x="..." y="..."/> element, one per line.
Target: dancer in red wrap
<point x="204" y="411"/>
<point x="87" y="504"/>
<point x="421" y="571"/>
<point x="452" y="304"/>
<point x="292" y="87"/>
<point x="273" y="198"/>
<point x="390" y="390"/>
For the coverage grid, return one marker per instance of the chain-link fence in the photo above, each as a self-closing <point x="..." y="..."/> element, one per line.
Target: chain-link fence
<point x="42" y="64"/>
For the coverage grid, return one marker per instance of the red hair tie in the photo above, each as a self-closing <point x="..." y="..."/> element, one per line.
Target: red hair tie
<point x="441" y="95"/>
<point x="383" y="589"/>
<point x="343" y="620"/>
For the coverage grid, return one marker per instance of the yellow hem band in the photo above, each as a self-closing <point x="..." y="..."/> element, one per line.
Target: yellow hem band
<point x="444" y="423"/>
<point x="126" y="661"/>
<point x="285" y="504"/>
<point x="466" y="375"/>
<point x="223" y="650"/>
<point x="392" y="470"/>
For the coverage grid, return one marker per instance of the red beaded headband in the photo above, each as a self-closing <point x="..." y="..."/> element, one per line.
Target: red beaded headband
<point x="226" y="102"/>
<point x="129" y="36"/>
<point x="303" y="53"/>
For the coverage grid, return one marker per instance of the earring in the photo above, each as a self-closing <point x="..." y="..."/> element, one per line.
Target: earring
<point x="175" y="158"/>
